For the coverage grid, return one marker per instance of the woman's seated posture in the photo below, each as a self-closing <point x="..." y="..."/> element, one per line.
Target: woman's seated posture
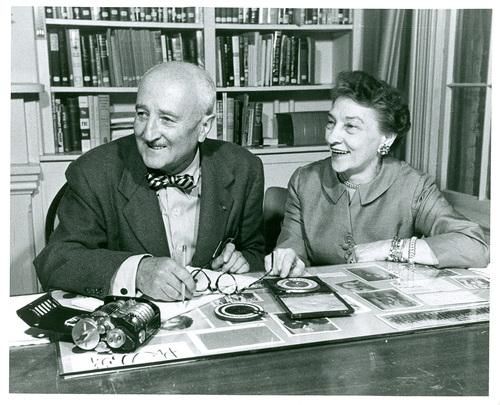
<point x="361" y="205"/>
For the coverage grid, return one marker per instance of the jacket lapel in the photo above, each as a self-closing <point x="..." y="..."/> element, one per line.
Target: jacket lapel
<point x="215" y="205"/>
<point x="329" y="182"/>
<point x="142" y="210"/>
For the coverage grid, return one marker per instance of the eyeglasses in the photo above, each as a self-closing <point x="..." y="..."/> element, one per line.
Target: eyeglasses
<point x="225" y="283"/>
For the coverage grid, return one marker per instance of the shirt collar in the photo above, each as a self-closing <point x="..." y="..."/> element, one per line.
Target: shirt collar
<point x="367" y="192"/>
<point x="194" y="168"/>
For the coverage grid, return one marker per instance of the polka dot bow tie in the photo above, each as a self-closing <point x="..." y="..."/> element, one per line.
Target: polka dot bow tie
<point x="185" y="182"/>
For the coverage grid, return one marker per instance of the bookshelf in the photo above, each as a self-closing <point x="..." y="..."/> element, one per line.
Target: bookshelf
<point x="336" y="47"/>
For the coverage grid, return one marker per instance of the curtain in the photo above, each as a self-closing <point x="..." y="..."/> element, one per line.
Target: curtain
<point x="387" y="43"/>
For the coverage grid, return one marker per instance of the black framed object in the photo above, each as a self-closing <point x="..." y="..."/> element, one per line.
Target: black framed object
<point x="308" y="297"/>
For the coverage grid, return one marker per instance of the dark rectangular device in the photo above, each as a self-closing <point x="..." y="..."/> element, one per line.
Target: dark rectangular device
<point x="308" y="297"/>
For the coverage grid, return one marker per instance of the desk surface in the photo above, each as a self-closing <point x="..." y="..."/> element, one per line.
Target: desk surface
<point x="451" y="361"/>
<point x="358" y="355"/>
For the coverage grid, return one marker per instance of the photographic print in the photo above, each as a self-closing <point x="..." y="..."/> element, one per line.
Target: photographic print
<point x="371" y="273"/>
<point x="437" y="317"/>
<point x="449" y="297"/>
<point x="472" y="282"/>
<point x="388" y="299"/>
<point x="359" y="308"/>
<point x="227" y="339"/>
<point x="356" y="286"/>
<point x="294" y="327"/>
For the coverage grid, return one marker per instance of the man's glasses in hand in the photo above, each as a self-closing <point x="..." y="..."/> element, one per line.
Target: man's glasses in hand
<point x="225" y="283"/>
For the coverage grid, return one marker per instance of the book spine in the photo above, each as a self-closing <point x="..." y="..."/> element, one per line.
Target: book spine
<point x="104" y="55"/>
<point x="76" y="57"/>
<point x="104" y="118"/>
<point x="54" y="58"/>
<point x="58" y="125"/>
<point x="74" y="124"/>
<point x="219" y="113"/>
<point x="86" y="64"/>
<point x="83" y="106"/>
<point x="200" y="50"/>
<point x="64" y="58"/>
<point x="230" y="119"/>
<point x="235" y="46"/>
<point x="257" y="139"/>
<point x="276" y="57"/>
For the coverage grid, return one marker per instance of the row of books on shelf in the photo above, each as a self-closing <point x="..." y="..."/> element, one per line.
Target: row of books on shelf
<point x="264" y="59"/>
<point x="84" y="122"/>
<point x="298" y="16"/>
<point x="149" y="14"/>
<point x="239" y="120"/>
<point x="116" y="57"/>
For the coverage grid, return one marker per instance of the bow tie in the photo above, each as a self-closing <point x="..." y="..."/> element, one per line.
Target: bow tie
<point x="185" y="182"/>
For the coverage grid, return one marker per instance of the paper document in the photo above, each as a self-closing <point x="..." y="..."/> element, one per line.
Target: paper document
<point x="170" y="309"/>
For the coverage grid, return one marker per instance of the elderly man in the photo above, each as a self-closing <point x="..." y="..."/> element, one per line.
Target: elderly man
<point x="139" y="209"/>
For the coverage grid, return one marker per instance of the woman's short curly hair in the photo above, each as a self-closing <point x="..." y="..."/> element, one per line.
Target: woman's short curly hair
<point x="392" y="111"/>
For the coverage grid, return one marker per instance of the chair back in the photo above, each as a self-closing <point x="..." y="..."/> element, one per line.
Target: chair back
<point x="274" y="211"/>
<point x="50" y="218"/>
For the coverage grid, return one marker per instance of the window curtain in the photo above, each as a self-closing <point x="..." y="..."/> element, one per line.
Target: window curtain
<point x="387" y="44"/>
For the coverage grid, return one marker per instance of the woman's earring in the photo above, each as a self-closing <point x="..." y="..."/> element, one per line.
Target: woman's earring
<point x="383" y="149"/>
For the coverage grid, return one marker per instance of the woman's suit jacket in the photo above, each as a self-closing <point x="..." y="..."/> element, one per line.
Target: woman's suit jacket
<point x="400" y="201"/>
<point x="109" y="213"/>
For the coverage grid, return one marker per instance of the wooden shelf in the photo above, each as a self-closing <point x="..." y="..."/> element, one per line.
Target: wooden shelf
<point x="131" y="90"/>
<point x="26" y="88"/>
<point x="122" y="24"/>
<point x="68" y="89"/>
<point x="284" y="27"/>
<point x="307" y="87"/>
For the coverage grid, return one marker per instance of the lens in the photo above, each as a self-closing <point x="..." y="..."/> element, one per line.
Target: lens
<point x="226" y="284"/>
<point x="201" y="279"/>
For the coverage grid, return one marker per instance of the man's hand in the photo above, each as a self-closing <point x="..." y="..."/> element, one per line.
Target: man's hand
<point x="284" y="263"/>
<point x="161" y="278"/>
<point x="231" y="260"/>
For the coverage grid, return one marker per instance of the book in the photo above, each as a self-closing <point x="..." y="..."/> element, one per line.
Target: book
<point x="58" y="125"/>
<point x="73" y="118"/>
<point x="102" y="45"/>
<point x="276" y="58"/>
<point x="235" y="47"/>
<point x="93" y="59"/>
<point x="86" y="61"/>
<point x="257" y="139"/>
<point x="301" y="128"/>
<point x="54" y="57"/>
<point x="104" y="118"/>
<point x="64" y="57"/>
<point x="76" y="56"/>
<point x="83" y="106"/>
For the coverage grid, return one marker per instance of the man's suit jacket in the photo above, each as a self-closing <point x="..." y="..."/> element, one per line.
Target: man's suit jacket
<point x="109" y="213"/>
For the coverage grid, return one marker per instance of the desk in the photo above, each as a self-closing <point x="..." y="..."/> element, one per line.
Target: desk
<point x="450" y="360"/>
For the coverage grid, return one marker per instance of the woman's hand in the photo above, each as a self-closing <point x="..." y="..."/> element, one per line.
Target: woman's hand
<point x="371" y="252"/>
<point x="284" y="262"/>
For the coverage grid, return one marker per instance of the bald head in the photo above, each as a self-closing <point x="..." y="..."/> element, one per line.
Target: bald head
<point x="194" y="79"/>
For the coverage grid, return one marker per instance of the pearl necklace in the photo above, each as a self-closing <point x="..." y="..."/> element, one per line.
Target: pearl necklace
<point x="347" y="183"/>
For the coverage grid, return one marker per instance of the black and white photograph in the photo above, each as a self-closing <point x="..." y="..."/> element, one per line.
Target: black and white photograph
<point x="295" y="327"/>
<point x="174" y="160"/>
<point x="389" y="299"/>
<point x="472" y="282"/>
<point x="371" y="273"/>
<point x="356" y="285"/>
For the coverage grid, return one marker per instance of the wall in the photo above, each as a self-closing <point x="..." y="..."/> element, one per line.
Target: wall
<point x="26" y="214"/>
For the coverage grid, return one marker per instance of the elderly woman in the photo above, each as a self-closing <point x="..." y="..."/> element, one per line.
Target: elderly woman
<point x="359" y="205"/>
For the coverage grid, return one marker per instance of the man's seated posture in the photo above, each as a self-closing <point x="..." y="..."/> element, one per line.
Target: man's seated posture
<point x="139" y="209"/>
